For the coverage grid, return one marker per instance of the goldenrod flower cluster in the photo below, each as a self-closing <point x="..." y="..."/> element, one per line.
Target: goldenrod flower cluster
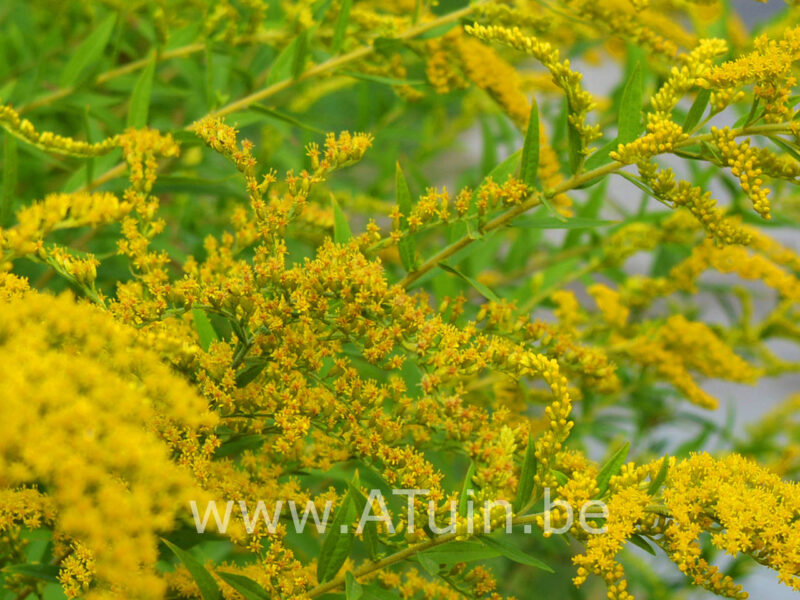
<point x="769" y="66"/>
<point x="580" y="101"/>
<point x="11" y="121"/>
<point x="106" y="413"/>
<point x="753" y="507"/>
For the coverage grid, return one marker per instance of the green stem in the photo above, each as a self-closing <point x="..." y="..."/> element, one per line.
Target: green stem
<point x="572" y="183"/>
<point x="329" y="65"/>
<point x="403" y="554"/>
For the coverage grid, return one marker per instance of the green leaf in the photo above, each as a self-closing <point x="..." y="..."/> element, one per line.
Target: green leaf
<point x="37" y="571"/>
<point x="341" y="230"/>
<point x="87" y="126"/>
<point x="638" y="540"/>
<point x="463" y="497"/>
<point x="388" y="45"/>
<point x="299" y="57"/>
<point x="536" y="222"/>
<point x="285" y="64"/>
<point x="341" y="26"/>
<point x="482" y="289"/>
<point x="454" y="552"/>
<point x="660" y="478"/>
<point x="249" y="373"/>
<point x="529" y="165"/>
<point x="239" y="444"/>
<point x="140" y="99"/>
<point x="489" y="144"/>
<point x="526" y="475"/>
<point x="382" y="79"/>
<point x="204" y="328"/>
<point x="208" y="79"/>
<point x="514" y="553"/>
<point x="508" y="167"/>
<point x="574" y="145"/>
<point x="370" y="530"/>
<point x="635" y="181"/>
<point x="337" y="544"/>
<point x="599" y="158"/>
<point x="753" y="111"/>
<point x="630" y="120"/>
<point x="321" y="9"/>
<point x="204" y="580"/>
<point x="430" y="566"/>
<point x="281" y="116"/>
<point x="251" y="590"/>
<point x="406" y="246"/>
<point x="696" y="111"/>
<point x="436" y="32"/>
<point x="552" y="209"/>
<point x="352" y="589"/>
<point x="561" y="478"/>
<point x="376" y="592"/>
<point x="792" y="151"/>
<point x="611" y="468"/>
<point x="88" y="52"/>
<point x="10" y="174"/>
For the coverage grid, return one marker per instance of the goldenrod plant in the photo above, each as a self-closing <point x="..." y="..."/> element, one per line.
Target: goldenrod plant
<point x="404" y="299"/>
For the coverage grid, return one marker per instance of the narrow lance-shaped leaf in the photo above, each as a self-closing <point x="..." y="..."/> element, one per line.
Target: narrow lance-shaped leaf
<point x="204" y="328"/>
<point x="289" y="60"/>
<point x="697" y="110"/>
<point x="660" y="477"/>
<point x="629" y="124"/>
<point x="641" y="542"/>
<point x="464" y="496"/>
<point x="353" y="589"/>
<point x="140" y="99"/>
<point x="598" y="159"/>
<point x="87" y="126"/>
<point x="376" y="592"/>
<point x="552" y="209"/>
<point x="44" y="572"/>
<point x="406" y="246"/>
<point x="635" y="181"/>
<point x="560" y="476"/>
<point x="208" y="79"/>
<point x="793" y="151"/>
<point x="382" y="79"/>
<point x="10" y="168"/>
<point x="488" y="146"/>
<point x="338" y="542"/>
<point x="370" y="530"/>
<point x="529" y="166"/>
<point x="536" y="222"/>
<point x="299" y="58"/>
<point x="510" y="551"/>
<point x="501" y="172"/>
<point x="249" y="373"/>
<point x="204" y="580"/>
<point x="249" y="589"/>
<point x="341" y="230"/>
<point x="281" y="116"/>
<point x="526" y="475"/>
<point x="341" y="26"/>
<point x="451" y="553"/>
<point x="481" y="288"/>
<point x="574" y="144"/>
<point x="611" y="468"/>
<point x="88" y="52"/>
<point x="430" y="566"/>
